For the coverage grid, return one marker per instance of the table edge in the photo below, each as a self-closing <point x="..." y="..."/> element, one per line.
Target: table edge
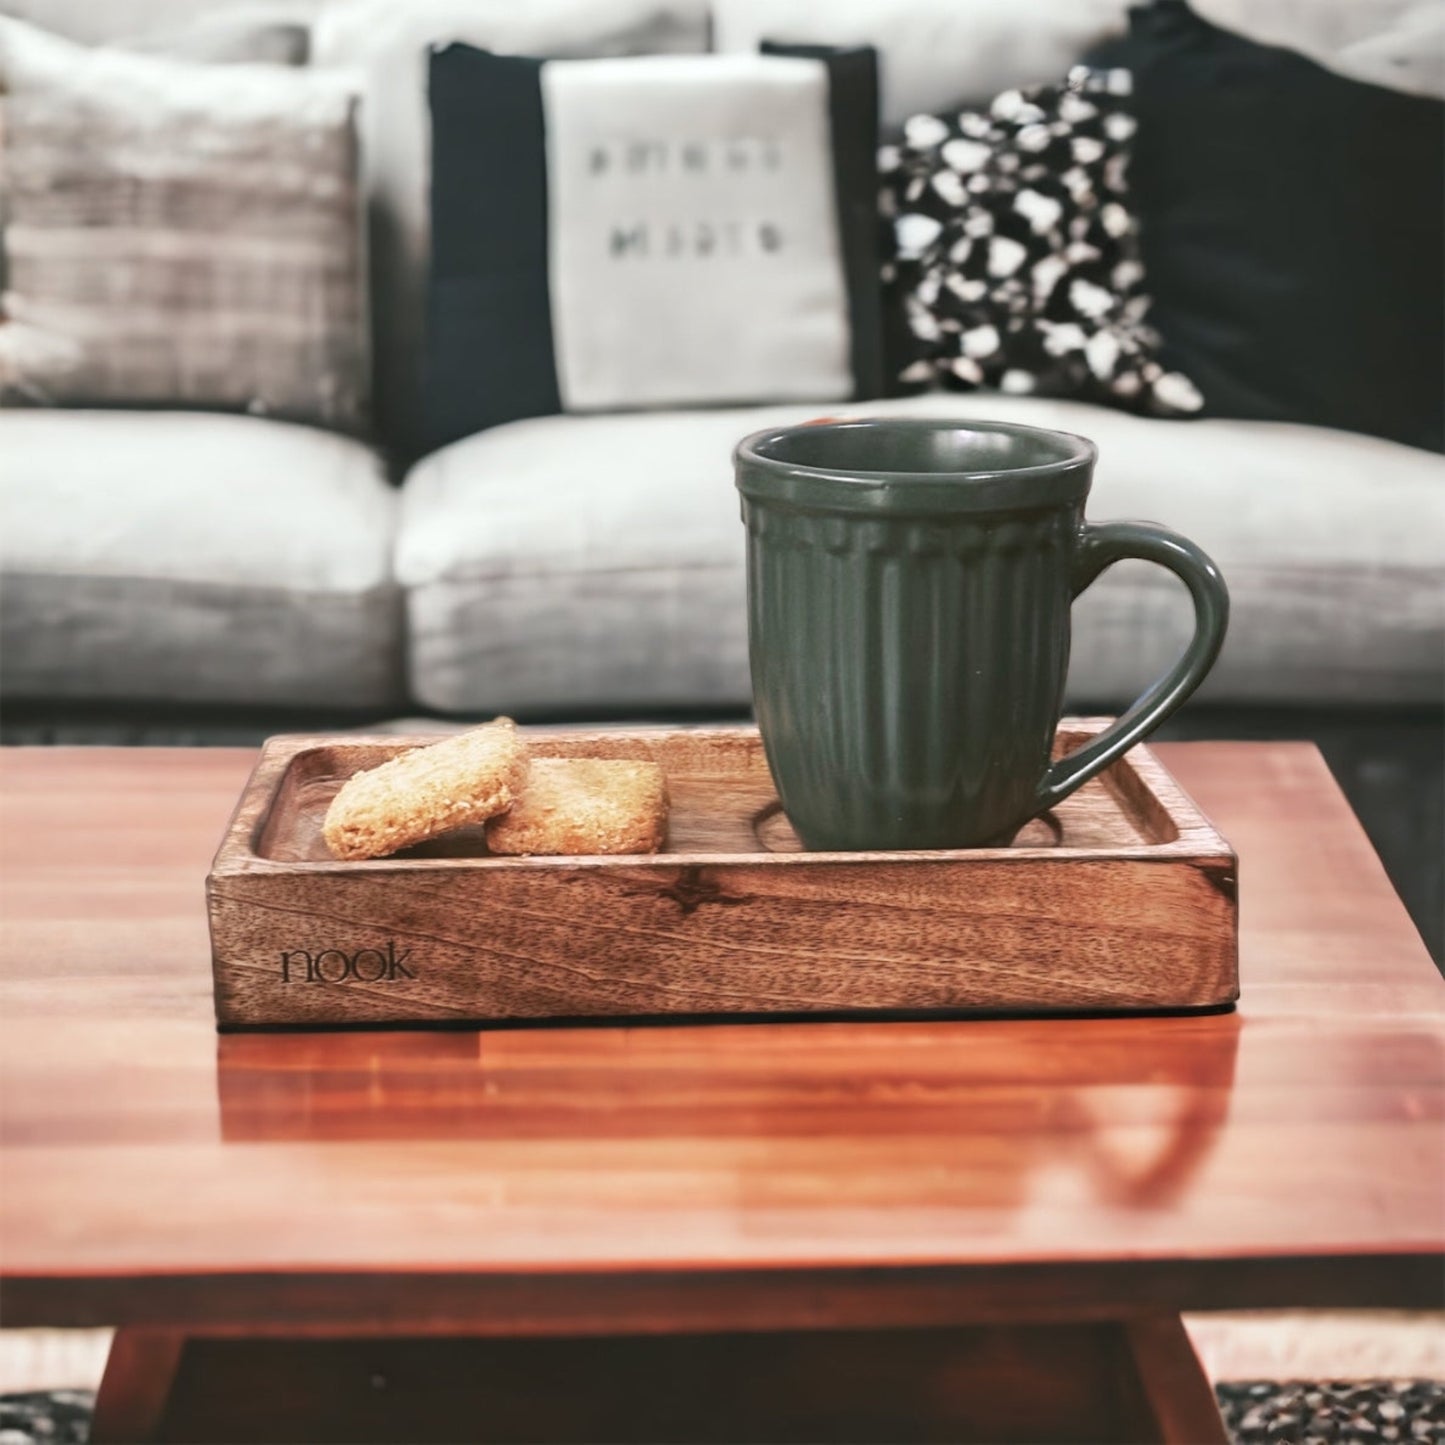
<point x="449" y="1301"/>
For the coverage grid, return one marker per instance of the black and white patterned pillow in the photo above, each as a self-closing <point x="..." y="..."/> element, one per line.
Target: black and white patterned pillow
<point x="1016" y="257"/>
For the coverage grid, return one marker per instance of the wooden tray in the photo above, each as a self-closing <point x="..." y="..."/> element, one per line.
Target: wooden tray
<point x="1123" y="899"/>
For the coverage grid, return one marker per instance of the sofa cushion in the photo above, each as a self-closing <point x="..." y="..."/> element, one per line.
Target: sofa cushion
<point x="932" y="54"/>
<point x="388" y="42"/>
<point x="180" y="234"/>
<point x="211" y="30"/>
<point x="939" y="53"/>
<point x="589" y="563"/>
<point x="599" y="226"/>
<point x="180" y="556"/>
<point x="1015" y="262"/>
<point x="1289" y="233"/>
<point x="1398" y="43"/>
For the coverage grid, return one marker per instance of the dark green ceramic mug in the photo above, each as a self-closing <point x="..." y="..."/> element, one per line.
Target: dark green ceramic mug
<point x="909" y="587"/>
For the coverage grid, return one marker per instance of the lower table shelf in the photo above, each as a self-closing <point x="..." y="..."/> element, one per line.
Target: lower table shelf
<point x="1134" y="1381"/>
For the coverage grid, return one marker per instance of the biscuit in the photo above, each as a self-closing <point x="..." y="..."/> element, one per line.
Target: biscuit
<point x="426" y="791"/>
<point x="584" y="805"/>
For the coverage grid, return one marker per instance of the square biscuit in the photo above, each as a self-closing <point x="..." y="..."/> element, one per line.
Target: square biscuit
<point x="459" y="781"/>
<point x="584" y="805"/>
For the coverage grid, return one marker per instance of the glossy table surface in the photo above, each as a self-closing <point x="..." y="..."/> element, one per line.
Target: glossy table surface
<point x="154" y="1172"/>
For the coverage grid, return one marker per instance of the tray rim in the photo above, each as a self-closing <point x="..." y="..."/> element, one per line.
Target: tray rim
<point x="1197" y="838"/>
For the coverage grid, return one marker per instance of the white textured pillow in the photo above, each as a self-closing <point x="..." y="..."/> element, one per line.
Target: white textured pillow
<point x="661" y="328"/>
<point x="391" y="41"/>
<point x="180" y="234"/>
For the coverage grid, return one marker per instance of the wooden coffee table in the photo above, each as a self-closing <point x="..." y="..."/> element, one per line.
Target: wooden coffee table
<point x="912" y="1230"/>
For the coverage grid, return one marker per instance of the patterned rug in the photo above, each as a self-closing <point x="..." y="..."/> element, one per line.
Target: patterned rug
<point x="46" y="1417"/>
<point x="1333" y="1413"/>
<point x="1257" y="1412"/>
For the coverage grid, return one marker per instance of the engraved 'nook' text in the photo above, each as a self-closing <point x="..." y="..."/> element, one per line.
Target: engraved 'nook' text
<point x="333" y="965"/>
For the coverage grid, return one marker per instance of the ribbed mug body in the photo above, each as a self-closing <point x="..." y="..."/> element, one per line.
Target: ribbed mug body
<point x="908" y="670"/>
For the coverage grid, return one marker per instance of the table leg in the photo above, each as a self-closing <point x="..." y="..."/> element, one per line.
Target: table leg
<point x="1135" y="1381"/>
<point x="130" y="1405"/>
<point x="1176" y="1403"/>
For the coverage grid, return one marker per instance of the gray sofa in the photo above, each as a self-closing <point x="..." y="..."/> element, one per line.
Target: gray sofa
<point x="579" y="564"/>
<point x="154" y="562"/>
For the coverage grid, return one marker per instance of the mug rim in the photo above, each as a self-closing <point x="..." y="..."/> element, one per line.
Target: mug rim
<point x="1058" y="480"/>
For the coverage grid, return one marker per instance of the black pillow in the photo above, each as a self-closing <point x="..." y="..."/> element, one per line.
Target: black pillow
<point x="1293" y="227"/>
<point x="853" y="116"/>
<point x="488" y="354"/>
<point x="722" y="245"/>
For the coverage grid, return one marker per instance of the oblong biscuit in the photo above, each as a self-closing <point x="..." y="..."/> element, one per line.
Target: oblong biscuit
<point x="429" y="790"/>
<point x="584" y="805"/>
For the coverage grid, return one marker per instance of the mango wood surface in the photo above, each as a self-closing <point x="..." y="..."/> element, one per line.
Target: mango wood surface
<point x="1124" y="898"/>
<point x="604" y="1179"/>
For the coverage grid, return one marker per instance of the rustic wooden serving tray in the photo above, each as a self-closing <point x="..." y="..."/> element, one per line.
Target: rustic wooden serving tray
<point x="1123" y="899"/>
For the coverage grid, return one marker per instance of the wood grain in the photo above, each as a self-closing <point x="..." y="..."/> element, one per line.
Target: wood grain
<point x="1123" y="899"/>
<point x="799" y="1175"/>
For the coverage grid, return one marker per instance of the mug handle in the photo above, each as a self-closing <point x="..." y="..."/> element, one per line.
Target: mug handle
<point x="1101" y="544"/>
